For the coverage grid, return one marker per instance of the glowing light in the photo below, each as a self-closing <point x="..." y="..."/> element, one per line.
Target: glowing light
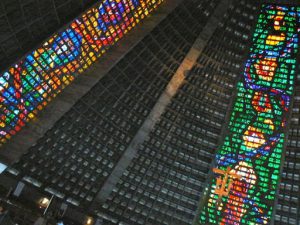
<point x="253" y="137"/>
<point x="275" y="39"/>
<point x="278" y="20"/>
<point x="265" y="68"/>
<point x="44" y="202"/>
<point x="89" y="221"/>
<point x="261" y="102"/>
<point x="270" y="123"/>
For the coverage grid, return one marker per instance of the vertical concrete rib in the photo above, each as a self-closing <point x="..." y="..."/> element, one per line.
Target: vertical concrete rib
<point x="160" y="106"/>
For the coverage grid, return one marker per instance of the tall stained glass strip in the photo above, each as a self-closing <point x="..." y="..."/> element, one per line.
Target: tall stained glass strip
<point x="248" y="163"/>
<point x="31" y="83"/>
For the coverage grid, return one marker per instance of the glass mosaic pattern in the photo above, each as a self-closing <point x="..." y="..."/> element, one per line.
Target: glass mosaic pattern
<point x="30" y="84"/>
<point x="248" y="162"/>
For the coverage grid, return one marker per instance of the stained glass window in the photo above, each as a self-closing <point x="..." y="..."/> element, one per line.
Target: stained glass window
<point x="30" y="84"/>
<point x="247" y="170"/>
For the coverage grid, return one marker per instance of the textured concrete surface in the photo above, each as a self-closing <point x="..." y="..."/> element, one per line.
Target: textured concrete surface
<point x="160" y="106"/>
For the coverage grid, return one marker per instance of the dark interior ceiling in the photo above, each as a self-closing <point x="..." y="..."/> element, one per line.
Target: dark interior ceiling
<point x="25" y="23"/>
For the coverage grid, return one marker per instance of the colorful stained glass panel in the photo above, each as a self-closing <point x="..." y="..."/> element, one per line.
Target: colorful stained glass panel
<point x="248" y="163"/>
<point x="30" y="84"/>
